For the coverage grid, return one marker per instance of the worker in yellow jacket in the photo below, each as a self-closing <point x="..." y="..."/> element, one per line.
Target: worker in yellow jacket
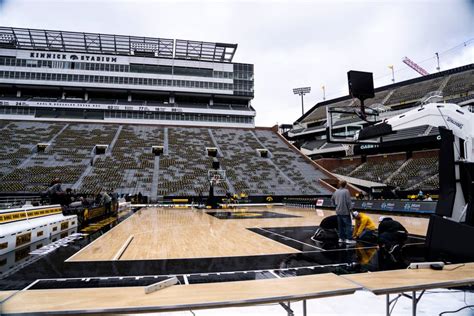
<point x="364" y="227"/>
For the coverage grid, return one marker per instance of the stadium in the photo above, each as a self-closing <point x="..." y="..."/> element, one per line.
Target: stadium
<point x="133" y="179"/>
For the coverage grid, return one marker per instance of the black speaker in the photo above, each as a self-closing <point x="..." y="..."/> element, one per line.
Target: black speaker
<point x="216" y="164"/>
<point x="361" y="84"/>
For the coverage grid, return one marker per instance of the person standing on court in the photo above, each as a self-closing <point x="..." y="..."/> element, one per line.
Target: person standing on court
<point x="342" y="199"/>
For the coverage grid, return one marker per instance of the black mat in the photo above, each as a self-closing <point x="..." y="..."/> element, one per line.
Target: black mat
<point x="300" y="238"/>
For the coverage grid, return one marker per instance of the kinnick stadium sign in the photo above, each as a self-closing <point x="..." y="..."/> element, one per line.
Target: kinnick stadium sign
<point x="73" y="57"/>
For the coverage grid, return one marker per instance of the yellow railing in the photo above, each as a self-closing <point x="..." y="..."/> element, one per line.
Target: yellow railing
<point x="19" y="215"/>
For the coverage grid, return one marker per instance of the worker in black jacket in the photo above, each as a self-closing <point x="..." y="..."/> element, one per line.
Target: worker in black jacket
<point x="327" y="229"/>
<point x="391" y="235"/>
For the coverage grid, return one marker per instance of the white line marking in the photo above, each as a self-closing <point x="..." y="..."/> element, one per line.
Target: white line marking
<point x="286" y="237"/>
<point x="123" y="248"/>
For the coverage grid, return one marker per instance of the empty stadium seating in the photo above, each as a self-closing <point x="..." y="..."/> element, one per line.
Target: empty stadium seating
<point x="415" y="173"/>
<point x="345" y="170"/>
<point x="293" y="165"/>
<point x="418" y="172"/>
<point x="414" y="92"/>
<point x="460" y="83"/>
<point x="18" y="149"/>
<point x="377" y="171"/>
<point x="129" y="165"/>
<point x="184" y="170"/>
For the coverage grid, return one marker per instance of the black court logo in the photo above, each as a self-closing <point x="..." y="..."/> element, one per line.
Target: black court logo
<point x="74" y="57"/>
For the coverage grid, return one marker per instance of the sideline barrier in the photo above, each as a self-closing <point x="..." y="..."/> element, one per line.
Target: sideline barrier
<point x="423" y="207"/>
<point x="396" y="206"/>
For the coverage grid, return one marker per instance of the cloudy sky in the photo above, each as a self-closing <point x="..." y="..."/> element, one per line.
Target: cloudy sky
<point x="292" y="43"/>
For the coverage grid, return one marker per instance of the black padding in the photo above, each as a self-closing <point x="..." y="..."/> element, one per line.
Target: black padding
<point x="466" y="171"/>
<point x="447" y="177"/>
<point x="446" y="240"/>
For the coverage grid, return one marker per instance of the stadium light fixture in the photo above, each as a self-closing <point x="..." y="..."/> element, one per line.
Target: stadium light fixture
<point x="437" y="60"/>
<point x="393" y="73"/>
<point x="302" y="92"/>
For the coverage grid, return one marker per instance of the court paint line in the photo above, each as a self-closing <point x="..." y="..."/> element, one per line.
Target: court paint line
<point x="283" y="236"/>
<point x="91" y="243"/>
<point x="339" y="249"/>
<point x="276" y="275"/>
<point x="16" y="292"/>
<point x="185" y="278"/>
<point x="123" y="248"/>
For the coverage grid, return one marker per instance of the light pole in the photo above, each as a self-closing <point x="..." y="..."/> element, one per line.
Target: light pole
<point x="393" y="73"/>
<point x="302" y="92"/>
<point x="437" y="59"/>
<point x="324" y="92"/>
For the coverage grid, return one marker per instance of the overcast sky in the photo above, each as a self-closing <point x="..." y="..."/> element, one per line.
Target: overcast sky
<point x="292" y="43"/>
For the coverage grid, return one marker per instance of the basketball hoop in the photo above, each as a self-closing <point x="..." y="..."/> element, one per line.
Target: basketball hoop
<point x="352" y="118"/>
<point x="216" y="176"/>
<point x="367" y="114"/>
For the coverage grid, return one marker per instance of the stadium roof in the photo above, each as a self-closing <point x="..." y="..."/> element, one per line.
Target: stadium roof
<point x="77" y="42"/>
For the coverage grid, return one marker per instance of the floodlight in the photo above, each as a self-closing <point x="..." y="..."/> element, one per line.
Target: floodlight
<point x="302" y="92"/>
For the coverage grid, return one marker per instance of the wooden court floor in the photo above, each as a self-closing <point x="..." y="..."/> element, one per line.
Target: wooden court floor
<point x="164" y="233"/>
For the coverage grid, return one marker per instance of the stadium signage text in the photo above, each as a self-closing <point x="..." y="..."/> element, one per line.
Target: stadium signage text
<point x="119" y="107"/>
<point x="459" y="125"/>
<point x="396" y="206"/>
<point x="368" y="146"/>
<point x="74" y="57"/>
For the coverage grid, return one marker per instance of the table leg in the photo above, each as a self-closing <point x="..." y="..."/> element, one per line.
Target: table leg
<point x="287" y="309"/>
<point x="304" y="307"/>
<point x="387" y="311"/>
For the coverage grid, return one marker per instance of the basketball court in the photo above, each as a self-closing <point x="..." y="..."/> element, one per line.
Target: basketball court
<point x="247" y="243"/>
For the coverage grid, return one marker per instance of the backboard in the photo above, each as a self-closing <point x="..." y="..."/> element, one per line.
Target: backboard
<point x="216" y="176"/>
<point x="344" y="122"/>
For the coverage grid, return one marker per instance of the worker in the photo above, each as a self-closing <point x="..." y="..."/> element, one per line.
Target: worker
<point x="364" y="228"/>
<point x="392" y="235"/>
<point x="341" y="198"/>
<point x="327" y="229"/>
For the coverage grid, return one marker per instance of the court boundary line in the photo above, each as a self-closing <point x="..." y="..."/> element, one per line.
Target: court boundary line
<point x="298" y="241"/>
<point x="198" y="273"/>
<point x="91" y="243"/>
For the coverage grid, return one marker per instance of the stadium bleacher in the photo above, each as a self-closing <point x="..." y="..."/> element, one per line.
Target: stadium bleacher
<point x="414" y="92"/>
<point x="377" y="170"/>
<point x="293" y="164"/>
<point x="420" y="171"/>
<point x="417" y="173"/>
<point x="461" y="83"/>
<point x="128" y="165"/>
<point x="19" y="141"/>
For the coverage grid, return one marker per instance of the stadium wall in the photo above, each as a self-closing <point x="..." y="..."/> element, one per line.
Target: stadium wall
<point x="385" y="157"/>
<point x="333" y="163"/>
<point x="432" y="153"/>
